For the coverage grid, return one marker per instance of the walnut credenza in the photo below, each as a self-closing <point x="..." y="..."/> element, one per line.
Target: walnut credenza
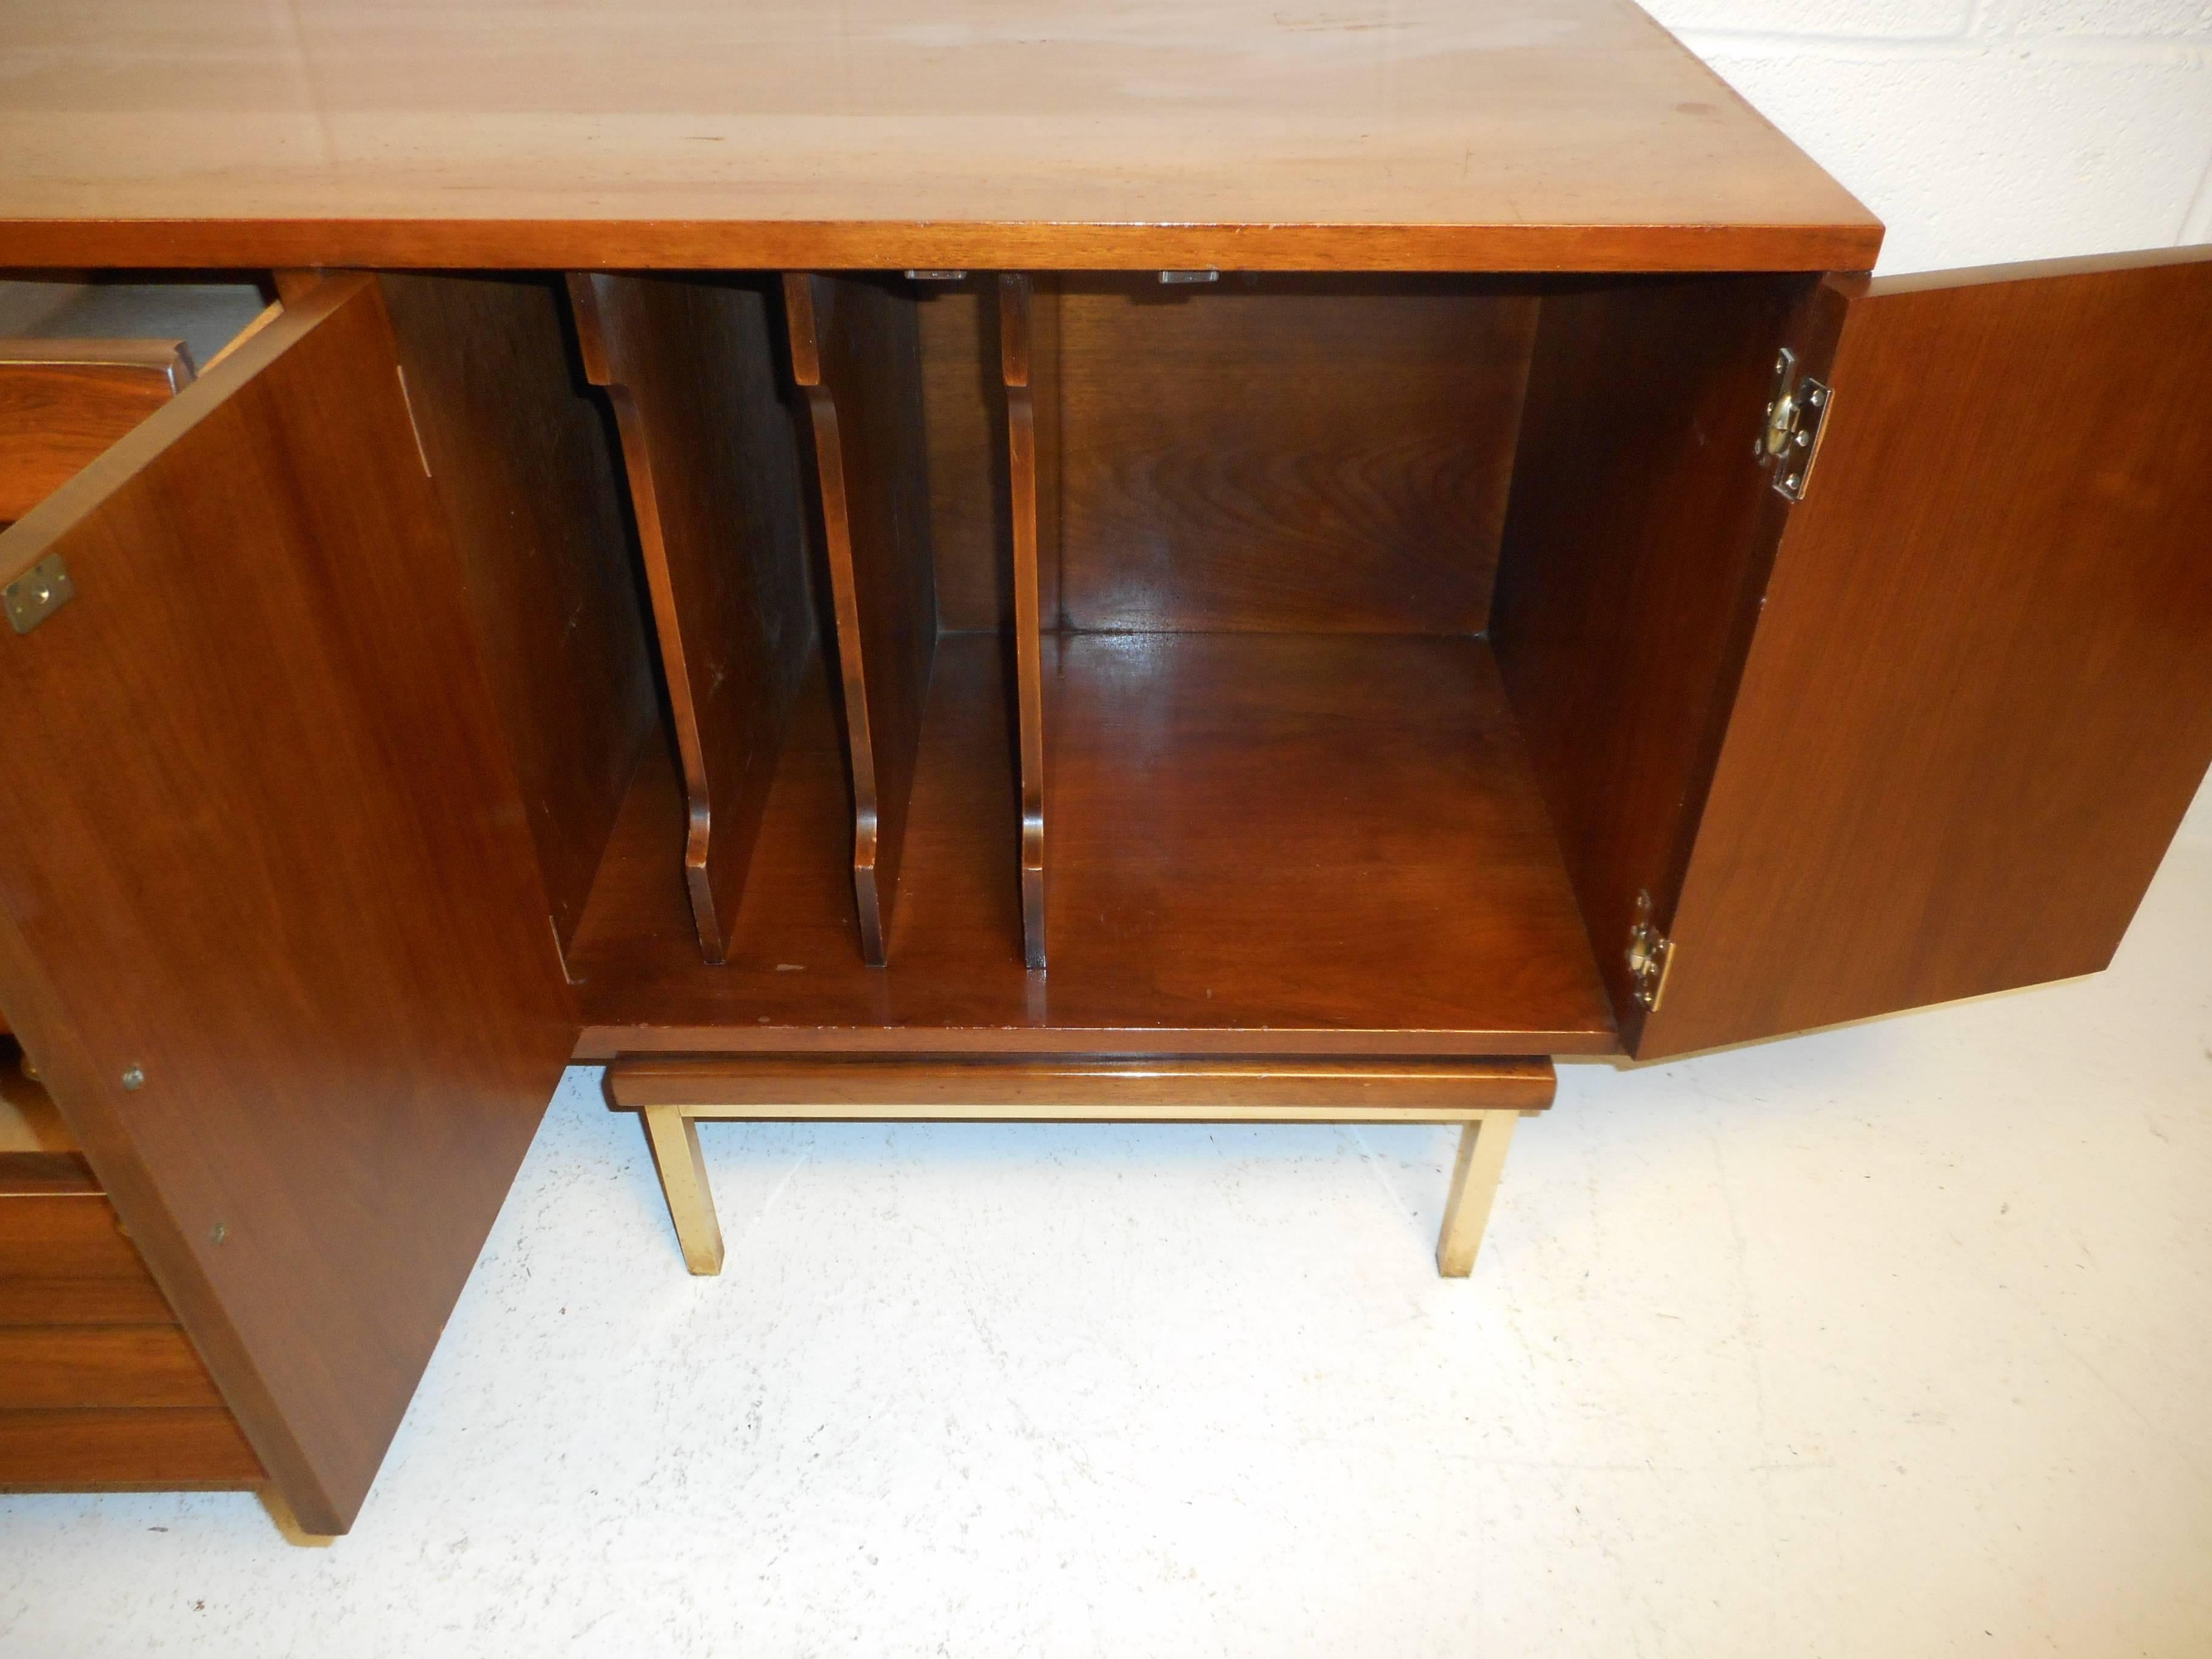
<point x="1212" y="565"/>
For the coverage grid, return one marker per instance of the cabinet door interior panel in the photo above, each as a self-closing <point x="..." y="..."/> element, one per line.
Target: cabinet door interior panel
<point x="855" y="347"/>
<point x="1636" y="546"/>
<point x="522" y="473"/>
<point x="277" y="933"/>
<point x="1979" y="699"/>
<point x="691" y="369"/>
<point x="1285" y="454"/>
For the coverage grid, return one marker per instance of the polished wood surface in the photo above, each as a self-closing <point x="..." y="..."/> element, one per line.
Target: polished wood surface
<point x="855" y="347"/>
<point x="1081" y="1088"/>
<point x="691" y="369"/>
<point x="1014" y="360"/>
<point x="1263" y="844"/>
<point x="1289" y="454"/>
<point x="62" y="401"/>
<point x="963" y="402"/>
<point x="45" y="1175"/>
<point x="276" y="933"/>
<point x="99" y="1385"/>
<point x="1979" y="698"/>
<point x="1637" y="542"/>
<point x="1333" y="832"/>
<point x="63" y="1259"/>
<point x="51" y="1367"/>
<point x="520" y="466"/>
<point x="1422" y="135"/>
<point x="965" y="412"/>
<point x="125" y="1450"/>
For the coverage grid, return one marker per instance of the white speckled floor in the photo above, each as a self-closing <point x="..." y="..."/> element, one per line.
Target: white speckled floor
<point x="1891" y="1342"/>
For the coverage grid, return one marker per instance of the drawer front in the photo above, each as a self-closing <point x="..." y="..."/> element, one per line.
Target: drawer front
<point x="64" y="1260"/>
<point x="100" y="1386"/>
<point x="92" y="1450"/>
<point x="59" y="1367"/>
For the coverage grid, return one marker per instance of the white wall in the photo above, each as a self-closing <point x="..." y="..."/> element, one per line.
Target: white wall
<point x="1987" y="130"/>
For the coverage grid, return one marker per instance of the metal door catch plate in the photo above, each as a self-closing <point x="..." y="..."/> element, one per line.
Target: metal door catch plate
<point x="37" y="594"/>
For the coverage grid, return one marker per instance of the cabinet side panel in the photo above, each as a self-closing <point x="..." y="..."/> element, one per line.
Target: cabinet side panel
<point x="523" y="472"/>
<point x="273" y="926"/>
<point x="1979" y="699"/>
<point x="1639" y="534"/>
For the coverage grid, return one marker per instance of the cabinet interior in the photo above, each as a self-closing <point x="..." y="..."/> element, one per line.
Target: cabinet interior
<point x="1383" y="627"/>
<point x="1325" y="663"/>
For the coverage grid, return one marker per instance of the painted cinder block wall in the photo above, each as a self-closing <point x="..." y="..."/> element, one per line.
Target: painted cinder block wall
<point x="1984" y="132"/>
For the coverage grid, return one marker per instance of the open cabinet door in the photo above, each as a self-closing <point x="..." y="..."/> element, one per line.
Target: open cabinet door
<point x="1978" y="697"/>
<point x="270" y="918"/>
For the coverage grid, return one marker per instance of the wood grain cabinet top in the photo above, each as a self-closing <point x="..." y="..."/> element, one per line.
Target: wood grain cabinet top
<point x="1499" y="135"/>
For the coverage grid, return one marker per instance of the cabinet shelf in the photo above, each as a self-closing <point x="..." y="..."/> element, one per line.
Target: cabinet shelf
<point x="1262" y="843"/>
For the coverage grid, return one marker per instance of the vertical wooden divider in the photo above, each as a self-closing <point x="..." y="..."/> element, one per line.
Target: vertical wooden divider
<point x="855" y="348"/>
<point x="1015" y="356"/>
<point x="689" y="366"/>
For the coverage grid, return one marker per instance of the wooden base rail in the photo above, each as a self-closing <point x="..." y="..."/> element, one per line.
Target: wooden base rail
<point x="1486" y="1096"/>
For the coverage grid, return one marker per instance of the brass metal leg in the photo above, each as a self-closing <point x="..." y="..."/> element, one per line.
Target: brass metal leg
<point x="1482" y="1146"/>
<point x="674" y="1141"/>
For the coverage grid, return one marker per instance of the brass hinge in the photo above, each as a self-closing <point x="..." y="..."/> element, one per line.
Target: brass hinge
<point x="1796" y="415"/>
<point x="39" y="592"/>
<point x="1650" y="955"/>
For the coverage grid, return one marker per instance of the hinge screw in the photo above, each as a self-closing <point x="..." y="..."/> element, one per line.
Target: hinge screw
<point x="1796" y="480"/>
<point x="133" y="1078"/>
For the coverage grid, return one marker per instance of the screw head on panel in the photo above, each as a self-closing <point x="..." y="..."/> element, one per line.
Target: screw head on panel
<point x="134" y="1077"/>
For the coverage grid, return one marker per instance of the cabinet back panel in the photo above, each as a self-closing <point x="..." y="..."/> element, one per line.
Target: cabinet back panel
<point x="1281" y="455"/>
<point x="965" y="417"/>
<point x="708" y="442"/>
